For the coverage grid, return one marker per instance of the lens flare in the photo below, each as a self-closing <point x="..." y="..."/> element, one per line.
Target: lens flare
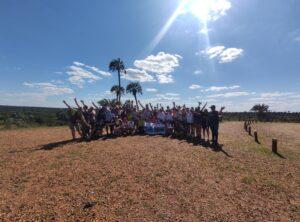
<point x="206" y="10"/>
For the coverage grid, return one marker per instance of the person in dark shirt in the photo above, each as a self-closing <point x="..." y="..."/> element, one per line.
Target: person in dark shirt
<point x="205" y="124"/>
<point x="214" y="119"/>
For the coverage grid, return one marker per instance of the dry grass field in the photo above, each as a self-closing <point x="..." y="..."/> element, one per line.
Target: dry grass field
<point x="44" y="177"/>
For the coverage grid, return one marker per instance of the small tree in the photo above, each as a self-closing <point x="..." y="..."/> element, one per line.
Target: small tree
<point x="104" y="102"/>
<point x="261" y="110"/>
<point x="108" y="102"/>
<point x="134" y="88"/>
<point x="118" y="91"/>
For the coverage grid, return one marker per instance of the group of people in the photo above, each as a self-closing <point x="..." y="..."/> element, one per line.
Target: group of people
<point x="96" y="121"/>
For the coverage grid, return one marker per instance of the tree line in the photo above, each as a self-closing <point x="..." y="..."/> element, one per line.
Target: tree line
<point x="13" y="116"/>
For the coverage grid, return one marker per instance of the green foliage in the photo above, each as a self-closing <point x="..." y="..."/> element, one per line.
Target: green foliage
<point x="134" y="88"/>
<point x="261" y="110"/>
<point x="269" y="117"/>
<point x="117" y="90"/>
<point x="108" y="102"/>
<point x="12" y="116"/>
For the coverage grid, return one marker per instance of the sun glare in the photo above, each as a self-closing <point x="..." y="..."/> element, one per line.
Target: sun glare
<point x="206" y="10"/>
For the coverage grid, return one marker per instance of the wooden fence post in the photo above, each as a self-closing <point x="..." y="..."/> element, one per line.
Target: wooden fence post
<point x="249" y="130"/>
<point x="255" y="136"/>
<point x="274" y="145"/>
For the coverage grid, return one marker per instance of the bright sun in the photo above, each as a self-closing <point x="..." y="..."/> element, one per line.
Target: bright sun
<point x="206" y="9"/>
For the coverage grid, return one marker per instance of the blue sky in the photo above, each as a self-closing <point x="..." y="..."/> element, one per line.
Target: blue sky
<point x="227" y="52"/>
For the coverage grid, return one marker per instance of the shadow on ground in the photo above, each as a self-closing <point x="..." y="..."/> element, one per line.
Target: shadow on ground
<point x="194" y="141"/>
<point x="51" y="146"/>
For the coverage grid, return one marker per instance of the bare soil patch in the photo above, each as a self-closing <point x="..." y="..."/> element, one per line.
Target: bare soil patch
<point x="45" y="176"/>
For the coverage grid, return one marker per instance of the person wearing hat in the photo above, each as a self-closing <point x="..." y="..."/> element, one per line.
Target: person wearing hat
<point x="214" y="119"/>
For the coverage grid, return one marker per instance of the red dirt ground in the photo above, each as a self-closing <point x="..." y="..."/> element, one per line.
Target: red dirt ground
<point x="143" y="178"/>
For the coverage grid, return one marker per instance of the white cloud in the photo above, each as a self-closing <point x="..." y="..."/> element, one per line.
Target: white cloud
<point x="49" y="89"/>
<point x="220" y="88"/>
<point x="22" y="98"/>
<point x="297" y="39"/>
<point x="95" y="69"/>
<point x="79" y="76"/>
<point x="164" y="99"/>
<point x="81" y="73"/>
<point x="164" y="79"/>
<point x="224" y="55"/>
<point x="205" y="30"/>
<point x="279" y="101"/>
<point x="172" y="94"/>
<point x="161" y="64"/>
<point x="57" y="81"/>
<point x="78" y="63"/>
<point x="275" y="94"/>
<point x="151" y="90"/>
<point x="198" y="72"/>
<point x="285" y="103"/>
<point x="138" y="75"/>
<point x="213" y="52"/>
<point x="92" y="68"/>
<point x="230" y="54"/>
<point x="229" y="94"/>
<point x="194" y="86"/>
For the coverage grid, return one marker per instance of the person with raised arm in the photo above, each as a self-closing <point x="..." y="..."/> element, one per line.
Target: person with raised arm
<point x="214" y="120"/>
<point x="72" y="116"/>
<point x="96" y="107"/>
<point x="190" y="121"/>
<point x="82" y="102"/>
<point x="204" y="122"/>
<point x="141" y="105"/>
<point x="151" y="107"/>
<point x="85" y="126"/>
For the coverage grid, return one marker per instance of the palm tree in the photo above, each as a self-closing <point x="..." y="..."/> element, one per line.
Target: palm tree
<point x="261" y="110"/>
<point x="134" y="88"/>
<point x="104" y="102"/>
<point x="117" y="65"/>
<point x="118" y="91"/>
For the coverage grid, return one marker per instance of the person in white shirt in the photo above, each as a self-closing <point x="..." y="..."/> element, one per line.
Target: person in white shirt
<point x="169" y="122"/>
<point x="109" y="118"/>
<point x="161" y="116"/>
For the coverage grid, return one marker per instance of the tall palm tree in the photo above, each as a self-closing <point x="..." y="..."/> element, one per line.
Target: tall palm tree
<point x="118" y="91"/>
<point x="134" y="88"/>
<point x="117" y="65"/>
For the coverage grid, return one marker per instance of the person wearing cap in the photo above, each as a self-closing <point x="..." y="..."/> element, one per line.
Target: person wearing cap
<point x="214" y="119"/>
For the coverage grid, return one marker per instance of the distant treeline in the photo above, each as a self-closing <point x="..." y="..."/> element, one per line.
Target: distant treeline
<point x="266" y="117"/>
<point x="13" y="116"/>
